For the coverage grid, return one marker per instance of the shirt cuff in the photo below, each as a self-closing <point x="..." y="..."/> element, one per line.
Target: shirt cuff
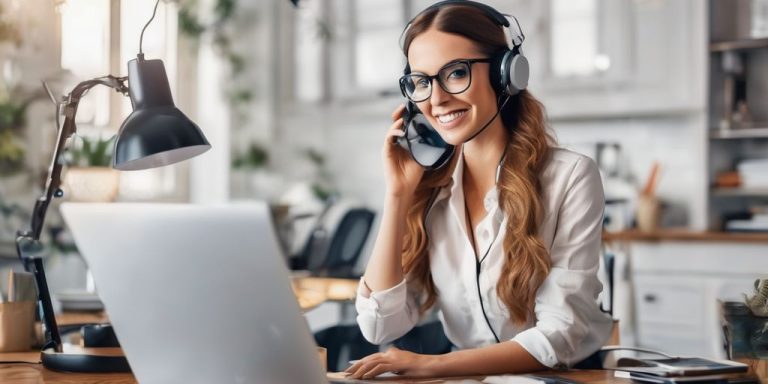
<point x="534" y="341"/>
<point x="384" y="303"/>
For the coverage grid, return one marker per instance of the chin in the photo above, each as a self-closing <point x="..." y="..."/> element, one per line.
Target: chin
<point x="458" y="135"/>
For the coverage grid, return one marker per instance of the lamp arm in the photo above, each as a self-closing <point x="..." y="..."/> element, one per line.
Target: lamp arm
<point x="53" y="181"/>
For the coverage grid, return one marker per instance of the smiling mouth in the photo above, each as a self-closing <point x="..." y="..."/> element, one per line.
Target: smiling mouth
<point x="449" y="117"/>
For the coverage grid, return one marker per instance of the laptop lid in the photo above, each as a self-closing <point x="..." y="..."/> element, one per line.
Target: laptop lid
<point x="196" y="294"/>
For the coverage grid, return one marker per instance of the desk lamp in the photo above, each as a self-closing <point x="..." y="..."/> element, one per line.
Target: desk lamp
<point x="155" y="134"/>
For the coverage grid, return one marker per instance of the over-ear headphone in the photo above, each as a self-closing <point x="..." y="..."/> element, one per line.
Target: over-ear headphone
<point x="509" y="69"/>
<point x="509" y="74"/>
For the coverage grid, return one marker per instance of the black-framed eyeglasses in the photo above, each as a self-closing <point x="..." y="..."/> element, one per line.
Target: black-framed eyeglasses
<point x="454" y="77"/>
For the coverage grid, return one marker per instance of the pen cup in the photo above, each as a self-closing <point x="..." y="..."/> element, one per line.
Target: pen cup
<point x="17" y="320"/>
<point x="648" y="213"/>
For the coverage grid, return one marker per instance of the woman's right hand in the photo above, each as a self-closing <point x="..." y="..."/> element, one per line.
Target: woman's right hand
<point x="401" y="171"/>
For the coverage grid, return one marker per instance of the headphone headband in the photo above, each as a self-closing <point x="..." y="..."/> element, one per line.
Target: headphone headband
<point x="501" y="19"/>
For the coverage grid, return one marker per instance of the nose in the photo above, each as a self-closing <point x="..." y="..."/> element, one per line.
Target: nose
<point x="439" y="95"/>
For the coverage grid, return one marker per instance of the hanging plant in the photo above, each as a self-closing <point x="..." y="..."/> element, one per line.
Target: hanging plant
<point x="221" y="35"/>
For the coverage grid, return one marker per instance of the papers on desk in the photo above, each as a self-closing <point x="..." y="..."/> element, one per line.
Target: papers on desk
<point x="341" y="377"/>
<point x="79" y="301"/>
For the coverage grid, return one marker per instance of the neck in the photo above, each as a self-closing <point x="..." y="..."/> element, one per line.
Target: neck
<point x="483" y="154"/>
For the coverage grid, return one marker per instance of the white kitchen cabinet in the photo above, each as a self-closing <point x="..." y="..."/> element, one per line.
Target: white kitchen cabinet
<point x="647" y="57"/>
<point x="677" y="286"/>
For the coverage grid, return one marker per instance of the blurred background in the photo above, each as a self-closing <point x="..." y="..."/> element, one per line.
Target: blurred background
<point x="670" y="97"/>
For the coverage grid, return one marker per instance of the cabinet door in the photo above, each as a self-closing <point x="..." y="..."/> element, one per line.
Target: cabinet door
<point x="602" y="58"/>
<point x="671" y="314"/>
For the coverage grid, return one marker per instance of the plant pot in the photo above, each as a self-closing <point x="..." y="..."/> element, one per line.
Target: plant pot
<point x="91" y="184"/>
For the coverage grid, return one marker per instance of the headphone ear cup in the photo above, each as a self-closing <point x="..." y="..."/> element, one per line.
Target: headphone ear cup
<point x="515" y="72"/>
<point x="518" y="74"/>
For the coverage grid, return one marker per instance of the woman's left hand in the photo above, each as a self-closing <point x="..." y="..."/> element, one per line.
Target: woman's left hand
<point x="397" y="361"/>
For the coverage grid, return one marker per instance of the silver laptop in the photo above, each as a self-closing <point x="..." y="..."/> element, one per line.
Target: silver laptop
<point x="196" y="294"/>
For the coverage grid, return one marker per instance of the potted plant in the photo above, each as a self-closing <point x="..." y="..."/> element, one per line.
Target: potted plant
<point x="251" y="174"/>
<point x="90" y="176"/>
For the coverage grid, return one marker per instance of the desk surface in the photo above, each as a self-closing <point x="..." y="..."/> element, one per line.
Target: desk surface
<point x="26" y="373"/>
<point x="328" y="289"/>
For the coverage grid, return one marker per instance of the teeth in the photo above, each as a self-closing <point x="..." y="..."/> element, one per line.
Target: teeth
<point x="450" y="117"/>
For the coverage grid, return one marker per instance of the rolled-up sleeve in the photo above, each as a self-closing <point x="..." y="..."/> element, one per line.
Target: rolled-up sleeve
<point x="569" y="324"/>
<point x="384" y="316"/>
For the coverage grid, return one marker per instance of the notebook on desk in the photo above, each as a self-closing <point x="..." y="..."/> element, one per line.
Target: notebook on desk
<point x="679" y="366"/>
<point x="196" y="294"/>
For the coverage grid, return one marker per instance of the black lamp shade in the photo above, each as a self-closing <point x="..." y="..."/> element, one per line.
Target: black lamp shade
<point x="156" y="133"/>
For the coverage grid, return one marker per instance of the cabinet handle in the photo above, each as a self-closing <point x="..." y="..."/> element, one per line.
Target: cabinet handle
<point x="649" y="298"/>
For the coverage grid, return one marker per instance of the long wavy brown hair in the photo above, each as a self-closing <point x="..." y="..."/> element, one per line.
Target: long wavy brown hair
<point x="527" y="259"/>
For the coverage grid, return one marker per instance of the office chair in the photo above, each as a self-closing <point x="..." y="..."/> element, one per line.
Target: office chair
<point x="428" y="339"/>
<point x="336" y="255"/>
<point x="347" y="243"/>
<point x="343" y="343"/>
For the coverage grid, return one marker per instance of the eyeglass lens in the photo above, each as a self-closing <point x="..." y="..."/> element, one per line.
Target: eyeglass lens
<point x="453" y="78"/>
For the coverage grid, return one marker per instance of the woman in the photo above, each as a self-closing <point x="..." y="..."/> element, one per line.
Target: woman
<point x="504" y="240"/>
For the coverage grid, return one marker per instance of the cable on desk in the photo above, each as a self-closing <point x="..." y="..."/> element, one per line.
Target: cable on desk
<point x="20" y="362"/>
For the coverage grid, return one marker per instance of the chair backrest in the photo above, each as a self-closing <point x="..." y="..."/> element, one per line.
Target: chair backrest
<point x="347" y="242"/>
<point x="343" y="343"/>
<point x="427" y="339"/>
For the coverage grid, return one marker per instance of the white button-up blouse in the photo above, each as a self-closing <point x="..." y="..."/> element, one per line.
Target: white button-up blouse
<point x="568" y="324"/>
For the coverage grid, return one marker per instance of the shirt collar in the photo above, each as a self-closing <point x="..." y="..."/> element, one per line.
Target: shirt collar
<point x="455" y="191"/>
<point x="455" y="187"/>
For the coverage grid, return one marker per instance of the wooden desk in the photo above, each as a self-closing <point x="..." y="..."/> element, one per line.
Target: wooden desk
<point x="36" y="374"/>
<point x="309" y="290"/>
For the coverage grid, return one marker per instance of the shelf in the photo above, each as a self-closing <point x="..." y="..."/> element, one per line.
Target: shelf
<point x="685" y="235"/>
<point x="740" y="192"/>
<point x="739" y="45"/>
<point x="739" y="133"/>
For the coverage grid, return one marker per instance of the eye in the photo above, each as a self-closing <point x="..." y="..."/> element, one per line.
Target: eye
<point x="422" y="83"/>
<point x="458" y="73"/>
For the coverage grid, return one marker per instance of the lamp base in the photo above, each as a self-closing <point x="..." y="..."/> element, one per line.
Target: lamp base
<point x="85" y="360"/>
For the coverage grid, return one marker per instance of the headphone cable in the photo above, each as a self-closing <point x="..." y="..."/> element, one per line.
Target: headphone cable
<point x="498" y="110"/>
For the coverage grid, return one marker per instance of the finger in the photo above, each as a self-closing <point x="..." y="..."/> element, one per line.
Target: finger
<point x="395" y="131"/>
<point x="354" y="367"/>
<point x="362" y="361"/>
<point x="378" y="370"/>
<point x="367" y="367"/>
<point x="398" y="112"/>
<point x="396" y="125"/>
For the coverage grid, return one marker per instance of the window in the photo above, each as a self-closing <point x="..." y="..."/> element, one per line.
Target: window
<point x="89" y="50"/>
<point x="85" y="53"/>
<point x="573" y="48"/>
<point x="352" y="46"/>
